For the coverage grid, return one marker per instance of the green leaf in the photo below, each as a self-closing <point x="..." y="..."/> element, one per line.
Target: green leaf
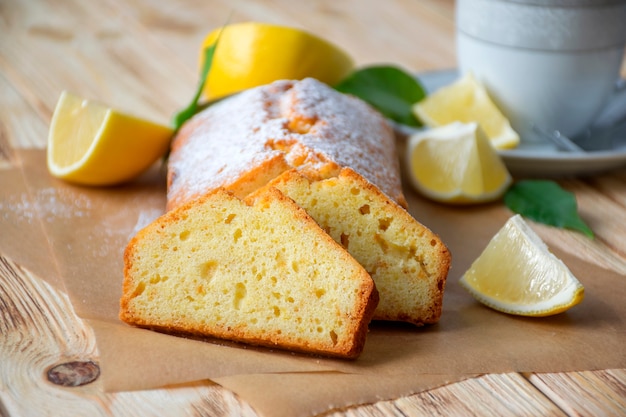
<point x="546" y="202"/>
<point x="188" y="112"/>
<point x="389" y="89"/>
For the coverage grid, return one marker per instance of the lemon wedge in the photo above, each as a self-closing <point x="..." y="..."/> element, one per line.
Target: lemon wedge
<point x="456" y="163"/>
<point x="250" y="54"/>
<point x="517" y="274"/>
<point x="467" y="100"/>
<point x="92" y="144"/>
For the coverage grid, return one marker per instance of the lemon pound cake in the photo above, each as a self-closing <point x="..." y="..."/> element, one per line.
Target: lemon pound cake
<point x="407" y="261"/>
<point x="336" y="157"/>
<point x="246" y="140"/>
<point x="259" y="271"/>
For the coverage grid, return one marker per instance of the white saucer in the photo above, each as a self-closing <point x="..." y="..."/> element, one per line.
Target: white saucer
<point x="543" y="159"/>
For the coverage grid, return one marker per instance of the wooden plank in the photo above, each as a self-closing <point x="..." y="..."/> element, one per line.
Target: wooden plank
<point x="372" y="31"/>
<point x="20" y="126"/>
<point x="494" y="395"/>
<point x="586" y="393"/>
<point x="49" y="46"/>
<point x="612" y="186"/>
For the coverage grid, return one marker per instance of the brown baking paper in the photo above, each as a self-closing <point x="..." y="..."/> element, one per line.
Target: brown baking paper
<point x="86" y="230"/>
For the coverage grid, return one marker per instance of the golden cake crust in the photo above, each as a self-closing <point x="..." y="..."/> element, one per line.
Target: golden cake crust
<point x="246" y="140"/>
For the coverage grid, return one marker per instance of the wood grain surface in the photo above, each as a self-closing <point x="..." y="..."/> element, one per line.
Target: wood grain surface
<point x="123" y="52"/>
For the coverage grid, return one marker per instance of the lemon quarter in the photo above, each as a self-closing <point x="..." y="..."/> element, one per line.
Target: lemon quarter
<point x="251" y="54"/>
<point x="456" y="164"/>
<point x="92" y="144"/>
<point x="467" y="100"/>
<point x="517" y="274"/>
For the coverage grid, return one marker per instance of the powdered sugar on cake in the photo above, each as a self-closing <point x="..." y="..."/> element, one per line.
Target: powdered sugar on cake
<point x="246" y="140"/>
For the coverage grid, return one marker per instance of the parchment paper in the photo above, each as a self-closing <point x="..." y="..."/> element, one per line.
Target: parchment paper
<point x="86" y="230"/>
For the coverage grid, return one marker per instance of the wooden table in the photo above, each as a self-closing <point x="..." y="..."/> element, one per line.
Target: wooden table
<point x="122" y="52"/>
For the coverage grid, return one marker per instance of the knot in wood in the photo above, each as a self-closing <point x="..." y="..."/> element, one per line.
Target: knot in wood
<point x="74" y="374"/>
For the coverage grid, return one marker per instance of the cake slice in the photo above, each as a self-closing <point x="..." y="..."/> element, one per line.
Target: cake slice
<point x="407" y="261"/>
<point x="259" y="271"/>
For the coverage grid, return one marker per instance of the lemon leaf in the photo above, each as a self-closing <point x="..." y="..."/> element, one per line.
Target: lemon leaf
<point x="546" y="202"/>
<point x="389" y="89"/>
<point x="187" y="113"/>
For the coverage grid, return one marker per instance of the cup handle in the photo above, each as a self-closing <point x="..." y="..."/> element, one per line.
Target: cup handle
<point x="615" y="111"/>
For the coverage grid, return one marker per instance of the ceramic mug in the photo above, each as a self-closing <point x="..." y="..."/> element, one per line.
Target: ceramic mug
<point x="546" y="63"/>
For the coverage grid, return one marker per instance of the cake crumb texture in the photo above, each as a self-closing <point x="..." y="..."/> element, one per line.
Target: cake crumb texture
<point x="259" y="271"/>
<point x="407" y="261"/>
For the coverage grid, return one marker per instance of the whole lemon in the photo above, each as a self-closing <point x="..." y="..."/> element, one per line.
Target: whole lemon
<point x="251" y="54"/>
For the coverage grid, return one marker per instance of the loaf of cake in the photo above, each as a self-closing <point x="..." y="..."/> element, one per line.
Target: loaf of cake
<point x="334" y="156"/>
<point x="259" y="271"/>
<point x="245" y="141"/>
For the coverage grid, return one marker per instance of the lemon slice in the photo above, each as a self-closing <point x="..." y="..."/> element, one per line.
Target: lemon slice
<point x="251" y="54"/>
<point x="91" y="144"/>
<point x="517" y="274"/>
<point x="456" y="164"/>
<point x="466" y="100"/>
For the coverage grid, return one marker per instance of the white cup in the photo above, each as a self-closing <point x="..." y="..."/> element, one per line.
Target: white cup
<point x="546" y="63"/>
